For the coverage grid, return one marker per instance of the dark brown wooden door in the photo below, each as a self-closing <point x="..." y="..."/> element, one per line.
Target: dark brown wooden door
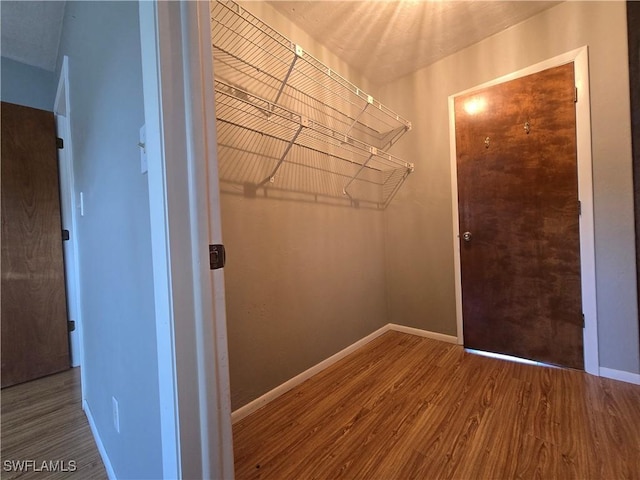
<point x="33" y="303"/>
<point x="518" y="199"/>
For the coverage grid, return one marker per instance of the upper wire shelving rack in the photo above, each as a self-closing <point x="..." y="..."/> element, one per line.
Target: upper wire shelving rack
<point x="252" y="60"/>
<point x="251" y="55"/>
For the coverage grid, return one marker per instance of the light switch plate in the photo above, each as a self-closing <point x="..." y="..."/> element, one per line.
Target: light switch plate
<point x="144" y="166"/>
<point x="116" y="414"/>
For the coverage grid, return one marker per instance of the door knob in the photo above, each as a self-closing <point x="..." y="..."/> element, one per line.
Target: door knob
<point x="466" y="236"/>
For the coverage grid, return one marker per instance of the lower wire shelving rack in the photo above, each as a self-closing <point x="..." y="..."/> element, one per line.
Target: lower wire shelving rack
<point x="250" y="127"/>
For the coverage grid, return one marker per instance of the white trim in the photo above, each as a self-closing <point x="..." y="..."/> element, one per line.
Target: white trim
<point x="160" y="248"/>
<point x="67" y="214"/>
<point x="96" y="436"/>
<point x="191" y="331"/>
<point x="271" y="395"/>
<point x="61" y="105"/>
<point x="456" y="221"/>
<point x="68" y="257"/>
<point x="621" y="375"/>
<point x="68" y="205"/>
<point x="423" y="333"/>
<point x="585" y="189"/>
<point x="587" y="226"/>
<point x="211" y="323"/>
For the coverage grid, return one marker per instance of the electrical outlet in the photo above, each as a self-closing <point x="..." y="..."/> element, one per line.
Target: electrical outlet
<point x="116" y="414"/>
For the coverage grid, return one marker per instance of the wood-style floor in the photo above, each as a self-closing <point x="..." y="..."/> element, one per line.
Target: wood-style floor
<point x="407" y="407"/>
<point x="43" y="421"/>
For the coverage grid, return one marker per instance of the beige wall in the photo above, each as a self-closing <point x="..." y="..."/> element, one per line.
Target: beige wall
<point x="305" y="273"/>
<point x="418" y="224"/>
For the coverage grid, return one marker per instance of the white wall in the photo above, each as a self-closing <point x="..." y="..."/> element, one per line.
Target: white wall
<point x="419" y="234"/>
<point x="102" y="40"/>
<point x="25" y="85"/>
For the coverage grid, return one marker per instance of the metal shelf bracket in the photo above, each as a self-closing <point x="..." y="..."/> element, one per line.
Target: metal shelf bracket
<point x="373" y="151"/>
<point x="304" y="122"/>
<point x="299" y="52"/>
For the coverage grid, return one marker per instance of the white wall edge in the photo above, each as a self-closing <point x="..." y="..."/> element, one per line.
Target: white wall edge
<point x="96" y="436"/>
<point x="271" y="395"/>
<point x="62" y="112"/>
<point x="587" y="225"/>
<point x="193" y="382"/>
<point x="69" y="247"/>
<point x="585" y="193"/>
<point x="211" y="321"/>
<point x="457" y="271"/>
<point x="160" y="248"/>
<point x="423" y="333"/>
<point x="61" y="104"/>
<point x="621" y="375"/>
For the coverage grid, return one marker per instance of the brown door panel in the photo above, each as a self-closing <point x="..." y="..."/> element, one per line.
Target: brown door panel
<point x="33" y="303"/>
<point x="518" y="196"/>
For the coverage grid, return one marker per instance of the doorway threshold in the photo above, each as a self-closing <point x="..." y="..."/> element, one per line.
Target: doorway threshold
<point x="510" y="358"/>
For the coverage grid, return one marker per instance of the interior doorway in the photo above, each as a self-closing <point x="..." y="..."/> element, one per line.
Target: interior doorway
<point x="519" y="210"/>
<point x="518" y="298"/>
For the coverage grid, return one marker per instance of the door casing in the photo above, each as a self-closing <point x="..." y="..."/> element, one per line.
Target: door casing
<point x="193" y="374"/>
<point x="580" y="57"/>
<point x="62" y="112"/>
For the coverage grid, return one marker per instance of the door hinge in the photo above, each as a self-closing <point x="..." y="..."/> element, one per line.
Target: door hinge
<point x="583" y="320"/>
<point x="217" y="256"/>
<point x="65" y="235"/>
<point x="575" y="95"/>
<point x="59" y="143"/>
<point x="71" y="325"/>
<point x="579" y="207"/>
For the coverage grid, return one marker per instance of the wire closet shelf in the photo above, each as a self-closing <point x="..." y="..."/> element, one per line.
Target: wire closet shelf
<point x="267" y="84"/>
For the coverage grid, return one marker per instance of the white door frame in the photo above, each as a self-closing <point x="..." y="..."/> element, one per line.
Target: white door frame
<point x="184" y="207"/>
<point x="68" y="207"/>
<point x="580" y="57"/>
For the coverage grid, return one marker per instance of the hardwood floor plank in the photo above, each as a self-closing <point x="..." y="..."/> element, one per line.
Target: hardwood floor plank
<point x="615" y="429"/>
<point x="43" y="421"/>
<point x="344" y="407"/>
<point x="492" y="436"/>
<point x="391" y="416"/>
<point x="454" y="424"/>
<point x="409" y="407"/>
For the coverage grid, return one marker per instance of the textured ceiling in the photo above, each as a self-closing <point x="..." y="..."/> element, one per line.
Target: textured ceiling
<point x="31" y="31"/>
<point x="385" y="40"/>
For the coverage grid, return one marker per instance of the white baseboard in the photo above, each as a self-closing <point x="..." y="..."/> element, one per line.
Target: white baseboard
<point x="423" y="333"/>
<point x="271" y="395"/>
<point x="96" y="436"/>
<point x="620" y="375"/>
